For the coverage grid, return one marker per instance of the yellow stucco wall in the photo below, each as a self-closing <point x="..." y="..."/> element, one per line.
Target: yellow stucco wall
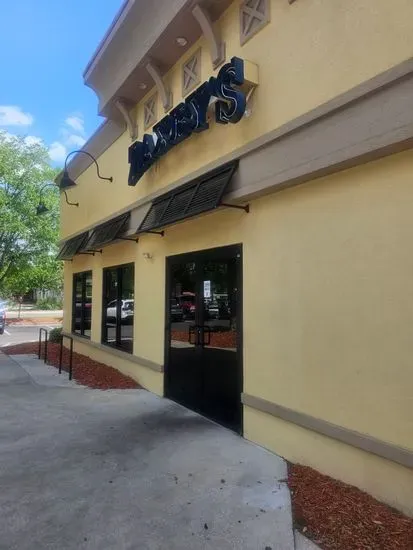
<point x="328" y="286"/>
<point x="328" y="294"/>
<point x="309" y="53"/>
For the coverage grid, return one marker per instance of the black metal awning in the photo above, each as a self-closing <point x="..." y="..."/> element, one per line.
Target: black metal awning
<point x="200" y="195"/>
<point x="106" y="232"/>
<point x="72" y="247"/>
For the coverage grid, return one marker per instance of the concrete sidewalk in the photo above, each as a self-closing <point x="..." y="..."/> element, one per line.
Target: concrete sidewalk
<point x="88" y="469"/>
<point x="34" y="314"/>
<point x="44" y="375"/>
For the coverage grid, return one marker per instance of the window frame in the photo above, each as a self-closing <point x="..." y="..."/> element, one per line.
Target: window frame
<point x="118" y="299"/>
<point x="83" y="276"/>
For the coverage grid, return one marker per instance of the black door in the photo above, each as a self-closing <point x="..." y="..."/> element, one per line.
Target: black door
<point x="203" y="333"/>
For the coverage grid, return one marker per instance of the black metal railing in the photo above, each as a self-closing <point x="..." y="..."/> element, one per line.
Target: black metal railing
<point x="46" y="338"/>
<point x="70" y="355"/>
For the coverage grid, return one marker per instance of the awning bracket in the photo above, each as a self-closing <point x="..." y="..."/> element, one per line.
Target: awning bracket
<point x="238" y="207"/>
<point x="132" y="239"/>
<point x="91" y="252"/>
<point x="160" y="233"/>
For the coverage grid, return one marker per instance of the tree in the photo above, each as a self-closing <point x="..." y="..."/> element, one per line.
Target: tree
<point x="43" y="273"/>
<point x="28" y="242"/>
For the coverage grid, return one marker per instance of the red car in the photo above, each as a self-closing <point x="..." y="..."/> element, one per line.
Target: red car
<point x="187" y="303"/>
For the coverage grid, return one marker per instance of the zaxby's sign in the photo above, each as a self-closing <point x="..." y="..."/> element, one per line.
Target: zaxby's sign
<point x="191" y="116"/>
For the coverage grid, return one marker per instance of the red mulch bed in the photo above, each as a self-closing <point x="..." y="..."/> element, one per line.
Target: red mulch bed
<point x="86" y="371"/>
<point x="337" y="516"/>
<point x="225" y="339"/>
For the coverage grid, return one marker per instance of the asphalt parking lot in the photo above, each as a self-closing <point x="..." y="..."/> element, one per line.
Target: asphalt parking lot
<point x="21" y="334"/>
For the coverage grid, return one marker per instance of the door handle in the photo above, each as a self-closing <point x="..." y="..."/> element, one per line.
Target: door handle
<point x="191" y="333"/>
<point x="206" y="329"/>
<point x="194" y="335"/>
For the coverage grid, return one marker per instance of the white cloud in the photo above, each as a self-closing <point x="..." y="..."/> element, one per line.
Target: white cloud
<point x="71" y="136"/>
<point x="33" y="140"/>
<point x="76" y="122"/>
<point x="75" y="140"/>
<point x="12" y="115"/>
<point x="57" y="151"/>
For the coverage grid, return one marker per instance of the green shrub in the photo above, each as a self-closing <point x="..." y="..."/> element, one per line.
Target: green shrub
<point x="55" y="335"/>
<point x="49" y="304"/>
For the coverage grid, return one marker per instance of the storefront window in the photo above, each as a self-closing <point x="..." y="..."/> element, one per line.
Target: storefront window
<point x="118" y="307"/>
<point x="82" y="304"/>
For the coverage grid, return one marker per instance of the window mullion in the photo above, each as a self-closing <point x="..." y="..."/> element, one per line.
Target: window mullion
<point x="83" y="305"/>
<point x="105" y="303"/>
<point x="119" y="308"/>
<point x="74" y="279"/>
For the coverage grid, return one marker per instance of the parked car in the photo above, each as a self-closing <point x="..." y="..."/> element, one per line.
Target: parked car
<point x="87" y="314"/>
<point x="2" y="317"/>
<point x="212" y="310"/>
<point x="126" y="310"/>
<point x="176" y="311"/>
<point x="187" y="303"/>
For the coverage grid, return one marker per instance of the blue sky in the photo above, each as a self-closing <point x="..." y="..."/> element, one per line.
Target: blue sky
<point x="44" y="47"/>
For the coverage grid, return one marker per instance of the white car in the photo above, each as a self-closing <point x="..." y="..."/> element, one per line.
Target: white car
<point x="126" y="310"/>
<point x="2" y="317"/>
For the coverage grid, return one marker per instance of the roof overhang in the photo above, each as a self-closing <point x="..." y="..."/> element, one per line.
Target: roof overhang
<point x="141" y="32"/>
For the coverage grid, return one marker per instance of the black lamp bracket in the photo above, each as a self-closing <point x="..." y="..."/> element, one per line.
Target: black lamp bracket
<point x="68" y="201"/>
<point x="57" y="187"/>
<point x="93" y="159"/>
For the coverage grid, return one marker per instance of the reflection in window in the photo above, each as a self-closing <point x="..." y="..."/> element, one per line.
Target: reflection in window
<point x="82" y="304"/>
<point x="220" y="303"/>
<point x="118" y="307"/>
<point x="182" y="303"/>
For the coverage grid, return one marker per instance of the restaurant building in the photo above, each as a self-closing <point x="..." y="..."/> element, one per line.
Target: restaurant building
<point x="251" y="257"/>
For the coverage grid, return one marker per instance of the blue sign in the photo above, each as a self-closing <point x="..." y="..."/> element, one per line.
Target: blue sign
<point x="191" y="116"/>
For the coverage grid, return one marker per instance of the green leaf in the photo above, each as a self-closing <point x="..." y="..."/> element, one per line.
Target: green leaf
<point x="28" y="242"/>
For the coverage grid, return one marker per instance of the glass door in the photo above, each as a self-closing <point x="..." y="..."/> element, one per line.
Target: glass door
<point x="220" y="341"/>
<point x="184" y="365"/>
<point x="203" y="356"/>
